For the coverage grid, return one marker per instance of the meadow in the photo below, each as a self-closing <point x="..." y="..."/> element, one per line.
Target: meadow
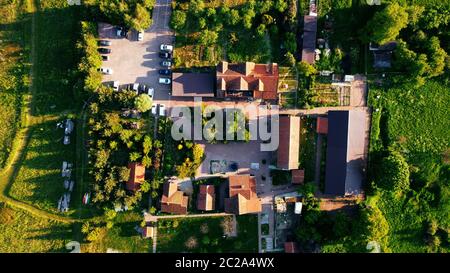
<point x="22" y="232"/>
<point x="205" y="235"/>
<point x="415" y="122"/>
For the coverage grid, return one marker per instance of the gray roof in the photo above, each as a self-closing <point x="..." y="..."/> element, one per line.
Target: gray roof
<point x="309" y="38"/>
<point x="193" y="84"/>
<point x="345" y="152"/>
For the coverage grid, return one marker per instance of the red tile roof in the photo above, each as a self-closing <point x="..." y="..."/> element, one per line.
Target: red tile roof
<point x="137" y="176"/>
<point x="322" y="125"/>
<point x="259" y="81"/>
<point x="173" y="201"/>
<point x="242" y="195"/>
<point x="206" y="198"/>
<point x="290" y="247"/>
<point x="298" y="176"/>
<point x="289" y="142"/>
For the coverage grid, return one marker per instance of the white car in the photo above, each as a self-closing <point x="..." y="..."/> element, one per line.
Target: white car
<point x="167" y="48"/>
<point x="164" y="80"/>
<point x="154" y="109"/>
<point x="136" y="87"/>
<point x="162" y="110"/>
<point x="116" y="85"/>
<point x="150" y="92"/>
<point x="106" y="70"/>
<point x="140" y="35"/>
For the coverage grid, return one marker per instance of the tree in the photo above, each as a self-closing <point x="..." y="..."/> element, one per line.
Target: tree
<point x="386" y="24"/>
<point x="196" y="7"/>
<point x="306" y="69"/>
<point x="290" y="42"/>
<point x="290" y="59"/>
<point x="394" y="172"/>
<point x="178" y="19"/>
<point x="208" y="37"/>
<point x="143" y="103"/>
<point x="124" y="173"/>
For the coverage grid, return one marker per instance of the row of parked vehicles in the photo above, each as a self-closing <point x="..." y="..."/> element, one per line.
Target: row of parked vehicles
<point x="165" y="54"/>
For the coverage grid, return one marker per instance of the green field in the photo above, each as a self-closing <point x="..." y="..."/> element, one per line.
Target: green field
<point x="121" y="237"/>
<point x="204" y="235"/>
<point x="14" y="71"/>
<point x="38" y="180"/>
<point x="22" y="232"/>
<point x="415" y="121"/>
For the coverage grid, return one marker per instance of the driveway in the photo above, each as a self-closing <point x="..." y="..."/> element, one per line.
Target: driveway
<point x="135" y="61"/>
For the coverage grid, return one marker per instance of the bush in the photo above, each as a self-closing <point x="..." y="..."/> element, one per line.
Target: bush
<point x="394" y="173"/>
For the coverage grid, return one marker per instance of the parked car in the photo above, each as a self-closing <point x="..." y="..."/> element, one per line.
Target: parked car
<point x="106" y="70"/>
<point x="151" y="92"/>
<point x="167" y="48"/>
<point x="166" y="63"/>
<point x="136" y="87"/>
<point x="154" y="109"/>
<point x="164" y="71"/>
<point x="104" y="43"/>
<point x="119" y="31"/>
<point x="105" y="57"/>
<point x="142" y="88"/>
<point x="104" y="50"/>
<point x="164" y="80"/>
<point x="140" y="35"/>
<point x="116" y="85"/>
<point x="162" y="110"/>
<point x="165" y="55"/>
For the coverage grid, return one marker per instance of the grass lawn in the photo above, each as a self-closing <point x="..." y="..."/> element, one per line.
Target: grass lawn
<point x="121" y="237"/>
<point x="22" y="232"/>
<point x="14" y="71"/>
<point x="205" y="235"/>
<point x="38" y="180"/>
<point x="416" y="122"/>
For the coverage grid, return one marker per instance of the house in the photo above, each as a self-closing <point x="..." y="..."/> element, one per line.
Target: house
<point x="242" y="195"/>
<point x="193" y="85"/>
<point x="148" y="232"/>
<point x="173" y="201"/>
<point x="289" y="142"/>
<point x="137" y="176"/>
<point x="247" y="80"/>
<point x="345" y="152"/>
<point x="297" y="177"/>
<point x="290" y="247"/>
<point x="309" y="38"/>
<point x="322" y="125"/>
<point x="206" y="198"/>
<point x="382" y="54"/>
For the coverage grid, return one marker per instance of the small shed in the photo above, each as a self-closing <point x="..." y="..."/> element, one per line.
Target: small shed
<point x="297" y="177"/>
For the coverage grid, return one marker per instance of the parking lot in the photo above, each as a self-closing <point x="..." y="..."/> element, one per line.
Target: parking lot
<point x="134" y="61"/>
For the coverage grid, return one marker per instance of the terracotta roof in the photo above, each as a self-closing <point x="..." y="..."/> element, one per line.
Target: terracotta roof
<point x="206" y="198"/>
<point x="290" y="247"/>
<point x="257" y="80"/>
<point x="289" y="142"/>
<point x="173" y="200"/>
<point x="192" y="85"/>
<point x="297" y="176"/>
<point x="242" y="195"/>
<point x="137" y="176"/>
<point x="322" y="125"/>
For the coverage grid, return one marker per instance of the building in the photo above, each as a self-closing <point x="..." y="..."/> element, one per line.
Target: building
<point x="193" y="85"/>
<point x="148" y="232"/>
<point x="242" y="195"/>
<point x="247" y="80"/>
<point x="297" y="177"/>
<point x="173" y="201"/>
<point x="309" y="39"/>
<point x="206" y="198"/>
<point x="290" y="247"/>
<point x="322" y="125"/>
<point x="345" y="152"/>
<point x="137" y="176"/>
<point x="382" y="55"/>
<point x="289" y="142"/>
